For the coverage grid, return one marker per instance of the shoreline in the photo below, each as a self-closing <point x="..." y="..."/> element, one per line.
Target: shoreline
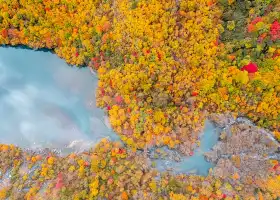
<point x="164" y="68"/>
<point x="166" y="154"/>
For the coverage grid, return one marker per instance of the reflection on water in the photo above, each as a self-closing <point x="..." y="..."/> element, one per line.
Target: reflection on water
<point x="46" y="103"/>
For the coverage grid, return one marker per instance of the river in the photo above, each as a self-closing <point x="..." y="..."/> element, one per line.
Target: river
<point x="45" y="103"/>
<point x="195" y="164"/>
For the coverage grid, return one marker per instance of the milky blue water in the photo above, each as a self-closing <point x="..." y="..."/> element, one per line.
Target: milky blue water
<point x="195" y="164"/>
<point x="45" y="103"/>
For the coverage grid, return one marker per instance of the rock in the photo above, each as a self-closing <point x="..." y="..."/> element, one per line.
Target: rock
<point x="244" y="151"/>
<point x="221" y="120"/>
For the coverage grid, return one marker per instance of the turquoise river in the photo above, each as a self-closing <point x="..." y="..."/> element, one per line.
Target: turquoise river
<point x="45" y="103"/>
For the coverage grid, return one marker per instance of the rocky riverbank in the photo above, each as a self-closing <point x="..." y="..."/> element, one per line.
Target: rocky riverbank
<point x="244" y="153"/>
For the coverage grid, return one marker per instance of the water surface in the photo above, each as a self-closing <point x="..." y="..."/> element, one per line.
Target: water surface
<point x="195" y="164"/>
<point x="46" y="103"/>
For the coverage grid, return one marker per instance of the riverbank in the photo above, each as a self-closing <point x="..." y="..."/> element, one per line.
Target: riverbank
<point x="54" y="170"/>
<point x="244" y="153"/>
<point x="120" y="173"/>
<point x="163" y="68"/>
<point x="150" y="96"/>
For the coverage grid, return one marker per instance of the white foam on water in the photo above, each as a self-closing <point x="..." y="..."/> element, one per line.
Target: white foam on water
<point x="81" y="145"/>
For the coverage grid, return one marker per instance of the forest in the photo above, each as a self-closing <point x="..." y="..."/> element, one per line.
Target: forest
<point x="164" y="67"/>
